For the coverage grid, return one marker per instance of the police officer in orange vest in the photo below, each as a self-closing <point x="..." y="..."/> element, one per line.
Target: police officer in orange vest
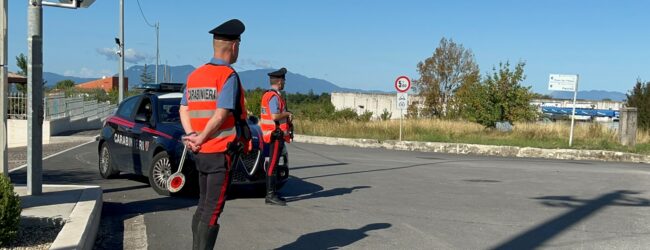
<point x="212" y="112"/>
<point x="275" y="124"/>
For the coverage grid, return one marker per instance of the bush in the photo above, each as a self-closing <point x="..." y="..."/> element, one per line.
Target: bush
<point x="345" y="115"/>
<point x="9" y="211"/>
<point x="385" y="115"/>
<point x="366" y="116"/>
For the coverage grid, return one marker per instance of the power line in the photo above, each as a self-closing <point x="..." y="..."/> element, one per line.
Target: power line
<point x="144" y="17"/>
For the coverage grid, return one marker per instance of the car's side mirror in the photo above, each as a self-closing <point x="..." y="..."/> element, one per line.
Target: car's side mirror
<point x="141" y="117"/>
<point x="253" y="119"/>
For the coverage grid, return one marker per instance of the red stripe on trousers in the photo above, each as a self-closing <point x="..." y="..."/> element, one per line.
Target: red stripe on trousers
<point x="273" y="158"/>
<point x="222" y="196"/>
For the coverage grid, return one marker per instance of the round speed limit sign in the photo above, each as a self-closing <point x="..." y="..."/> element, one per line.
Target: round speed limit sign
<point x="402" y="84"/>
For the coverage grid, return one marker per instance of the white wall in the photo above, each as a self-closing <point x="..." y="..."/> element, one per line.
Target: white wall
<point x="17" y="129"/>
<point x="375" y="103"/>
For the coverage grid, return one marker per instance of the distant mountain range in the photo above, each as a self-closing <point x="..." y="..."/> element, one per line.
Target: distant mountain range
<point x="596" y="95"/>
<point x="296" y="83"/>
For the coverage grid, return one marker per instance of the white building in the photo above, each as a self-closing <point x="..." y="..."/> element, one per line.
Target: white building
<point x="375" y="103"/>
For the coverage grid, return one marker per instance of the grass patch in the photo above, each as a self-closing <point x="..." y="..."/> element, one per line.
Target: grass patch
<point x="539" y="135"/>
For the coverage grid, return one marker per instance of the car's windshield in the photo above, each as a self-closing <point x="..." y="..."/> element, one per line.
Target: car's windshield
<point x="168" y="109"/>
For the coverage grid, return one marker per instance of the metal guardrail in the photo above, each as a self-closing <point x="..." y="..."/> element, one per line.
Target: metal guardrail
<point x="59" y="106"/>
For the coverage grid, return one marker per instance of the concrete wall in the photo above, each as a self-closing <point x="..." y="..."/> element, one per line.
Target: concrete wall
<point x="17" y="129"/>
<point x="375" y="103"/>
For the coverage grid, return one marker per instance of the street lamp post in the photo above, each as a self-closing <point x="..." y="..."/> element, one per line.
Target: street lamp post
<point x="121" y="81"/>
<point x="35" y="97"/>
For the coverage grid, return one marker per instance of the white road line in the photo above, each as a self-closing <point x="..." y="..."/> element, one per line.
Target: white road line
<point x="135" y="233"/>
<point x="52" y="155"/>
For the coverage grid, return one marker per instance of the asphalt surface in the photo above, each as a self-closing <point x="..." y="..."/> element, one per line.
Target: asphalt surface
<point x="379" y="199"/>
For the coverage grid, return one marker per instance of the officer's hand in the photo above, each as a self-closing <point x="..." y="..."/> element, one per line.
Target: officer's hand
<point x="188" y="141"/>
<point x="195" y="140"/>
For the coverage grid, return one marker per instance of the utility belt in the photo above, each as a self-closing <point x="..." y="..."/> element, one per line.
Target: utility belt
<point x="243" y="142"/>
<point x="277" y="134"/>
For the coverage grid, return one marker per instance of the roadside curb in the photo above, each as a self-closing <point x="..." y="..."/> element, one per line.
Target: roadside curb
<point x="476" y="149"/>
<point x="80" y="230"/>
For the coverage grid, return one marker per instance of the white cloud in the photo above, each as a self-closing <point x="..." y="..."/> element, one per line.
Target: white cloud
<point x="130" y="55"/>
<point x="254" y="64"/>
<point x="88" y="73"/>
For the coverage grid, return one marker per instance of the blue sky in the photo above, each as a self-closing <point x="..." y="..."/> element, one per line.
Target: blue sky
<point x="357" y="43"/>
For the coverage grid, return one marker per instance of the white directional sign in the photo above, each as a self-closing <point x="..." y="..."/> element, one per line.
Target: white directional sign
<point x="402" y="84"/>
<point x="562" y="82"/>
<point x="402" y="101"/>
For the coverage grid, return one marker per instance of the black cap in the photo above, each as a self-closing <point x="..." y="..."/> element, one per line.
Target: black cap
<point x="229" y="31"/>
<point x="278" y="73"/>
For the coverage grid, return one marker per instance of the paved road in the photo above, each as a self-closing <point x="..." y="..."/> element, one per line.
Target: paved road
<point x="379" y="199"/>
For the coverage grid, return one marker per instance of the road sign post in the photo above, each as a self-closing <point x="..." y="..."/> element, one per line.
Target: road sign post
<point x="35" y="113"/>
<point x="566" y="83"/>
<point x="402" y="85"/>
<point x="4" y="88"/>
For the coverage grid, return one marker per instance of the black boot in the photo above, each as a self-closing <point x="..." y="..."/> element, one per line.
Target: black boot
<point x="195" y="232"/>
<point x="271" y="197"/>
<point x="207" y="236"/>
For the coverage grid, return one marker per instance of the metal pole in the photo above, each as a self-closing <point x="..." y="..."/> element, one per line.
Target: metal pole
<point x="401" y="114"/>
<point x="573" y="112"/>
<point x="121" y="81"/>
<point x="157" y="49"/>
<point x="4" y="87"/>
<point x="35" y="98"/>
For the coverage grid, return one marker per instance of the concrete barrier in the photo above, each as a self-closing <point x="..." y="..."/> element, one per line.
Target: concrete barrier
<point x="17" y="129"/>
<point x="476" y="149"/>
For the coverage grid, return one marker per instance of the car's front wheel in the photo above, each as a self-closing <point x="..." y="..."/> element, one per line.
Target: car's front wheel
<point x="159" y="172"/>
<point x="106" y="168"/>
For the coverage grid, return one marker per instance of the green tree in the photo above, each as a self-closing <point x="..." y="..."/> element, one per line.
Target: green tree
<point x="500" y="97"/>
<point x="146" y="77"/>
<point x="65" y="84"/>
<point x="450" y="66"/>
<point x="21" y="62"/>
<point x="639" y="97"/>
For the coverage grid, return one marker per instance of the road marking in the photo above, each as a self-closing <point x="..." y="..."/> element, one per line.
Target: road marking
<point x="52" y="155"/>
<point x="135" y="233"/>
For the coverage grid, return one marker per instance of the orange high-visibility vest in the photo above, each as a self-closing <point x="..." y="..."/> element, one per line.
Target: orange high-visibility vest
<point x="203" y="88"/>
<point x="267" y="124"/>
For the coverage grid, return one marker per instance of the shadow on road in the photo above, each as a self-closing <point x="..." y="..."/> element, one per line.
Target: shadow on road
<point x="111" y="228"/>
<point x="121" y="189"/>
<point x="320" y="165"/>
<point x="333" y="238"/>
<point x="581" y="209"/>
<point x="327" y="193"/>
<point x="375" y="170"/>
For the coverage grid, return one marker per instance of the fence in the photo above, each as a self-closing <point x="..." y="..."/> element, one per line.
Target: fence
<point x="59" y="106"/>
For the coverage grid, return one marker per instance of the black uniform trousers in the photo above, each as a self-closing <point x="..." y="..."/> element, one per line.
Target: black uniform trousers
<point x="214" y="179"/>
<point x="275" y="152"/>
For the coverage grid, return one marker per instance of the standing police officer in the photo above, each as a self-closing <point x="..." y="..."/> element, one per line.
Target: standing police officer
<point x="275" y="125"/>
<point x="212" y="110"/>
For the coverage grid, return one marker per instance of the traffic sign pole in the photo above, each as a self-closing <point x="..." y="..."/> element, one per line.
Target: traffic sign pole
<point x="573" y="112"/>
<point x="567" y="83"/>
<point x="401" y="114"/>
<point x="402" y="85"/>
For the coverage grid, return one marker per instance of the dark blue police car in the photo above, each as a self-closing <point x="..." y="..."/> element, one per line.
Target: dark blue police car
<point x="143" y="137"/>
